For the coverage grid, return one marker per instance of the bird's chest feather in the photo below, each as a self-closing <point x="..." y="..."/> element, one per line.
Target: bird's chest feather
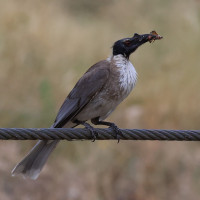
<point x="124" y="77"/>
<point x="121" y="81"/>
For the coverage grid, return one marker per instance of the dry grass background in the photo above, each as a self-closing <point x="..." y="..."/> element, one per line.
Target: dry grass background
<point x="45" y="46"/>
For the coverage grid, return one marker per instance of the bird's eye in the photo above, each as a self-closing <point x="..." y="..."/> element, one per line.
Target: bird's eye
<point x="127" y="42"/>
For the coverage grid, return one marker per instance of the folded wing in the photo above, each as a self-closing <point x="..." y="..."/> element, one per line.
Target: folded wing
<point x="86" y="88"/>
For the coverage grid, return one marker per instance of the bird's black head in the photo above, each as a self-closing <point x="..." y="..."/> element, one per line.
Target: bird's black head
<point x="127" y="46"/>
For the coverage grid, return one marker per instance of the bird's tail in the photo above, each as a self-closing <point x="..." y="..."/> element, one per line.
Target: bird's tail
<point x="33" y="163"/>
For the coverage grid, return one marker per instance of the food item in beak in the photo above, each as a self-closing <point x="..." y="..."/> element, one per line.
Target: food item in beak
<point x="154" y="36"/>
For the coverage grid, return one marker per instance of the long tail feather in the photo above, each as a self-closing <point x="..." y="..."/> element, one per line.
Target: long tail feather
<point x="33" y="163"/>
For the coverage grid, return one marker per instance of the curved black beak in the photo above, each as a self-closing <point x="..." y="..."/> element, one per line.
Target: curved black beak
<point x="141" y="39"/>
<point x="137" y="40"/>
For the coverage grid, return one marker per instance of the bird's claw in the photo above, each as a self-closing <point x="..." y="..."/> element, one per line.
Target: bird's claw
<point x="117" y="131"/>
<point x="90" y="128"/>
<point x="94" y="134"/>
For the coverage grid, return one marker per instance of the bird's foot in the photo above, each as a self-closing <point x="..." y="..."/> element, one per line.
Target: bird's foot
<point x="92" y="130"/>
<point x="117" y="131"/>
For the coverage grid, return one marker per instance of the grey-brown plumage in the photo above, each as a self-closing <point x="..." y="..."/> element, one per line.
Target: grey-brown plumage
<point x="89" y="86"/>
<point x="94" y="97"/>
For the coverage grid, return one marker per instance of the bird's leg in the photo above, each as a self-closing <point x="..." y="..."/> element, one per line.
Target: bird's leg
<point x="89" y="127"/>
<point x="96" y="121"/>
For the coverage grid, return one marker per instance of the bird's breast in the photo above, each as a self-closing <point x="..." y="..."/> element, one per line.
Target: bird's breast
<point x="125" y="76"/>
<point x="121" y="81"/>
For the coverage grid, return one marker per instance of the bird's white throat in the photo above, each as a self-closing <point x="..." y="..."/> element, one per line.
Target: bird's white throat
<point x="128" y="74"/>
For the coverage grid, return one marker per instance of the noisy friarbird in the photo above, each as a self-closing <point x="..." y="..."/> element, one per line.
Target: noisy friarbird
<point x="97" y="93"/>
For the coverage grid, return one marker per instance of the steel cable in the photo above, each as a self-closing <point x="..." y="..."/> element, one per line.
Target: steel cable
<point x="103" y="134"/>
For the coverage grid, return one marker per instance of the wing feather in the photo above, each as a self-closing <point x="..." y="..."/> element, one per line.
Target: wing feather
<point x="85" y="89"/>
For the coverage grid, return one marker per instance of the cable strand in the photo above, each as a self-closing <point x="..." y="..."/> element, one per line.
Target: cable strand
<point x="103" y="134"/>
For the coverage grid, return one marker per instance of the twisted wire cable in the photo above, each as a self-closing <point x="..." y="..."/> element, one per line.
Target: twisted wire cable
<point x="103" y="134"/>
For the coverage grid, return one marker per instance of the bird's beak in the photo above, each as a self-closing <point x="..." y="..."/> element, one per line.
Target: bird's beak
<point x="137" y="40"/>
<point x="141" y="39"/>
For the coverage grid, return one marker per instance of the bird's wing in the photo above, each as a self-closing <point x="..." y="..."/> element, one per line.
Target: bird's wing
<point x="85" y="89"/>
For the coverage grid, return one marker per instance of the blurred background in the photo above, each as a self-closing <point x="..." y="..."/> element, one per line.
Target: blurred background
<point x="45" y="46"/>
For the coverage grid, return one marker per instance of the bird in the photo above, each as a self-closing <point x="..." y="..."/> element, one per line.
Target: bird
<point x="94" y="97"/>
